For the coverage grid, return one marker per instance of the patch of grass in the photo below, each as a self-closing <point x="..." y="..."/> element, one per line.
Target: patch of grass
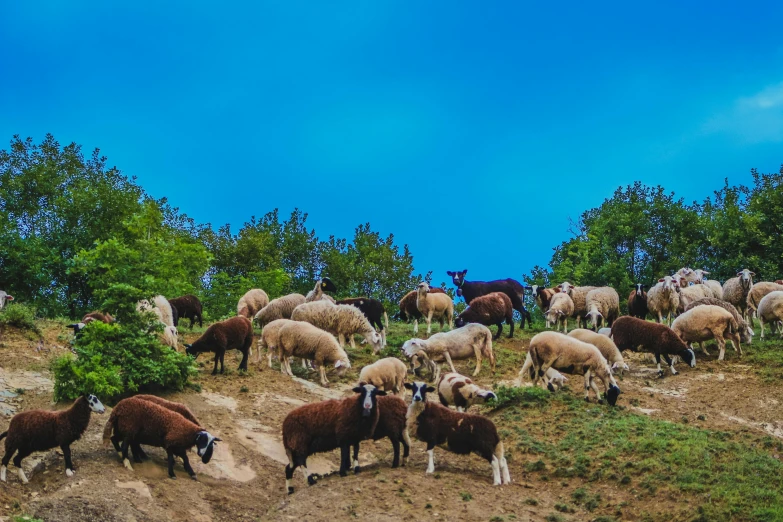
<point x="25" y="518"/>
<point x="466" y="497"/>
<point x="554" y="517"/>
<point x="564" y="508"/>
<point x="765" y="357"/>
<point x="531" y="502"/>
<point x="526" y="396"/>
<point x="244" y="389"/>
<point x="19" y="316"/>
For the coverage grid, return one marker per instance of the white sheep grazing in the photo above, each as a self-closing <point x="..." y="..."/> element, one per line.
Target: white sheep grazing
<point x="270" y="339"/>
<point x="459" y="391"/>
<point x="736" y="290"/>
<point x="557" y="379"/>
<point x="663" y="299"/>
<point x="280" y="308"/>
<point x="605" y="345"/>
<point x="603" y="306"/>
<point x="771" y="311"/>
<point x="387" y="374"/>
<point x="471" y="340"/>
<point x="160" y="307"/>
<point x="342" y="321"/>
<point x="703" y="323"/>
<point x="569" y="355"/>
<point x="252" y="302"/>
<point x="300" y="339"/>
<point x="434" y="306"/>
<point x="169" y="336"/>
<point x="318" y="292"/>
<point x="757" y="293"/>
<point x="693" y="293"/>
<point x="561" y="307"/>
<point x="578" y="295"/>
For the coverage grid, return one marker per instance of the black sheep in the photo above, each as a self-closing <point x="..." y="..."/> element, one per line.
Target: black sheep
<point x="186" y="307"/>
<point x="637" y="301"/>
<point x="493" y="308"/>
<point x="235" y="333"/>
<point x="473" y="289"/>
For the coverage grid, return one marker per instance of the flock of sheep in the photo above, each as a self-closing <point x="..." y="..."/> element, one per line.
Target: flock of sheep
<point x="687" y="307"/>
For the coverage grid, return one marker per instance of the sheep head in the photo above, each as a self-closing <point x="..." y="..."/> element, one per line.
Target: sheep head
<point x="458" y="277"/>
<point x="327" y="285"/>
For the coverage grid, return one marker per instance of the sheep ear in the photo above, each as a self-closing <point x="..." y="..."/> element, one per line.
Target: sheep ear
<point x="380" y="393"/>
<point x="430" y="389"/>
<point x="358" y="389"/>
<point x="752" y="273"/>
<point x="662" y="280"/>
<point x="408" y="386"/>
<point x="217" y="439"/>
<point x="188" y="346"/>
<point x="449" y="273"/>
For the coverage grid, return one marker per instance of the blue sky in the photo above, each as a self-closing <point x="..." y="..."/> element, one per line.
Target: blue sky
<point x="472" y="131"/>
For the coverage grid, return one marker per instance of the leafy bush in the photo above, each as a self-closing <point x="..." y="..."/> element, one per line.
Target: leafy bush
<point x="19" y="316"/>
<point x="126" y="356"/>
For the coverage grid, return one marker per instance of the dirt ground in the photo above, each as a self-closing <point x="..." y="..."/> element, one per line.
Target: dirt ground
<point x="245" y="480"/>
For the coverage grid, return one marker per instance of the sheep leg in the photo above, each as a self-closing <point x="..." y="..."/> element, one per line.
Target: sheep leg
<point x="670" y="363"/>
<point x="217" y="358"/>
<point x="429" y="323"/>
<point x="125" y="460"/>
<point x="500" y="331"/>
<point x="495" y="471"/>
<point x="447" y="355"/>
<point x="356" y="468"/>
<point x="345" y="459"/>
<point x="170" y="456"/>
<point x="415" y="326"/>
<point x="22" y="454"/>
<point x="138" y="454"/>
<point x="222" y="362"/>
<point x="761" y="322"/>
<point x="396" y="448"/>
<point x="477" y="351"/>
<point x="587" y="385"/>
<point x="721" y="345"/>
<point x="594" y="386"/>
<point x="186" y="463"/>
<point x="703" y="348"/>
<point x="9" y="452"/>
<point x="431" y="456"/>
<point x="406" y="446"/>
<point x="322" y="371"/>
<point x="289" y="474"/>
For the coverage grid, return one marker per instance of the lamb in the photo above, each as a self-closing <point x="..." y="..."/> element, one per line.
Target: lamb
<point x="663" y="299"/>
<point x="317" y="293"/>
<point x="630" y="333"/>
<point x="438" y="306"/>
<point x="693" y="293"/>
<point x="757" y="293"/>
<point x="493" y="308"/>
<point x="373" y="310"/>
<point x="578" y="295"/>
<point x="463" y="432"/>
<point x="745" y="331"/>
<point x="252" y="302"/>
<point x="4" y="298"/>
<point x="160" y="307"/>
<point x="462" y="343"/>
<point x="603" y="305"/>
<point x="387" y="374"/>
<point x="561" y="307"/>
<point x="40" y="430"/>
<point x="770" y="310"/>
<point x="187" y="307"/>
<point x="736" y="290"/>
<point x="470" y="290"/>
<point x="391" y="424"/>
<point x="327" y="425"/>
<point x="136" y="421"/>
<point x="408" y="308"/>
<point x="234" y="333"/>
<point x="556" y="378"/>
<point x="572" y="356"/>
<point x="270" y="339"/>
<point x="460" y="391"/>
<point x="302" y="339"/>
<point x="280" y="308"/>
<point x="637" y="301"/>
<point x="706" y="322"/>
<point x="342" y="321"/>
<point x="543" y="296"/>
<point x="605" y="345"/>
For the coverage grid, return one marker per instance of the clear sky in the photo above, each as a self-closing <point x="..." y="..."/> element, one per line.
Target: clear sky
<point x="470" y="130"/>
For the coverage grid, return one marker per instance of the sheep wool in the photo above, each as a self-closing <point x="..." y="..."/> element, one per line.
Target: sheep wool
<point x="318" y="292"/>
<point x="302" y="339"/>
<point x="770" y="311"/>
<point x="460" y="391"/>
<point x="578" y="295"/>
<point x="489" y="309"/>
<point x="252" y="302"/>
<point x="434" y="306"/>
<point x="757" y="293"/>
<point x="693" y="293"/>
<point x="462" y="343"/>
<point x="745" y="331"/>
<point x="387" y="374"/>
<point x="270" y="339"/>
<point x="187" y="307"/>
<point x="235" y="333"/>
<point x="342" y="321"/>
<point x="637" y="301"/>
<point x="630" y="333"/>
<point x="160" y="307"/>
<point x="663" y="300"/>
<point x="736" y="290"/>
<point x="561" y="307"/>
<point x="280" y="308"/>
<point x="408" y="309"/>
<point x="605" y="345"/>
<point x="391" y="424"/>
<point x="706" y="322"/>
<point x="603" y="306"/>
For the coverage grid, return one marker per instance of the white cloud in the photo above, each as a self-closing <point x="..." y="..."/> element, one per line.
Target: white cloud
<point x="753" y="119"/>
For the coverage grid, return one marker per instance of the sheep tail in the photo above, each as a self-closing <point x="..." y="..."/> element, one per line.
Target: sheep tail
<point x="3" y="435"/>
<point x="499" y="452"/>
<point x="108" y="429"/>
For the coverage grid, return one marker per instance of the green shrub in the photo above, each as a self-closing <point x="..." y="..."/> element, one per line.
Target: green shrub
<point x="19" y="316"/>
<point x="126" y="356"/>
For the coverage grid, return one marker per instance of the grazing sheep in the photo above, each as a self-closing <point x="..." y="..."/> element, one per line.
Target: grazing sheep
<point x="317" y="293"/>
<point x="460" y="391"/>
<point x="302" y="339"/>
<point x="387" y="374"/>
<point x="327" y="425"/>
<point x="437" y="306"/>
<point x="561" y="307"/>
<point x="493" y="308"/>
<point x="252" y="302"/>
<point x="557" y="379"/>
<point x="663" y="299"/>
<point x="160" y="307"/>
<point x="703" y="323"/>
<point x="280" y="308"/>
<point x="605" y="345"/>
<point x="40" y="430"/>
<point x="463" y="432"/>
<point x="408" y="310"/>
<point x="715" y="286"/>
<point x="4" y="298"/>
<point x="234" y="333"/>
<point x="578" y="295"/>
<point x="137" y="421"/>
<point x="391" y="424"/>
<point x="736" y="290"/>
<point x="637" y="301"/>
<point x="630" y="333"/>
<point x="373" y="310"/>
<point x="342" y="321"/>
<point x="603" y="306"/>
<point x="757" y="293"/>
<point x="470" y="290"/>
<point x="543" y="296"/>
<point x="270" y="339"/>
<point x="90" y="317"/>
<point x="462" y="343"/>
<point x="572" y="356"/>
<point x="693" y="293"/>
<point x="745" y="331"/>
<point x="169" y="336"/>
<point x="187" y="307"/>
<point x="770" y="310"/>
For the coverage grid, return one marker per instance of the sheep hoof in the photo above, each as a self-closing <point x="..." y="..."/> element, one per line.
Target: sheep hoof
<point x="550" y="387"/>
<point x="173" y="477"/>
<point x="127" y="464"/>
<point x="311" y="480"/>
<point x="290" y="490"/>
<point x="193" y="476"/>
<point x="357" y="469"/>
<point x="69" y="473"/>
<point x="601" y="401"/>
<point x="660" y="374"/>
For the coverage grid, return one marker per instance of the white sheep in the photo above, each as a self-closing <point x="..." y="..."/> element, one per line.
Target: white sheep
<point x="757" y="293"/>
<point x="602" y="305"/>
<point x="561" y="307"/>
<point x="4" y="298"/>
<point x="434" y="306"/>
<point x="771" y="311"/>
<point x="270" y="339"/>
<point x="280" y="308"/>
<point x="387" y="374"/>
<point x="578" y="295"/>
<point x="342" y="321"/>
<point x="471" y="340"/>
<point x="692" y="293"/>
<point x="663" y="299"/>
<point x="605" y="331"/>
<point x="605" y="345"/>
<point x="160" y="307"/>
<point x="252" y="302"/>
<point x="557" y="379"/>
<point x="736" y="290"/>
<point x="461" y="392"/>
<point x="169" y="336"/>
<point x="318" y="292"/>
<point x="301" y="339"/>
<point x="706" y="322"/>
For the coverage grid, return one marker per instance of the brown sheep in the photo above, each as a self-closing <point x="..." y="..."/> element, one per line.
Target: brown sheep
<point x="637" y="301"/>
<point x="235" y="333"/>
<point x="630" y="333"/>
<point x="187" y="307"/>
<point x="408" y="309"/>
<point x="489" y="309"/>
<point x="391" y="424"/>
